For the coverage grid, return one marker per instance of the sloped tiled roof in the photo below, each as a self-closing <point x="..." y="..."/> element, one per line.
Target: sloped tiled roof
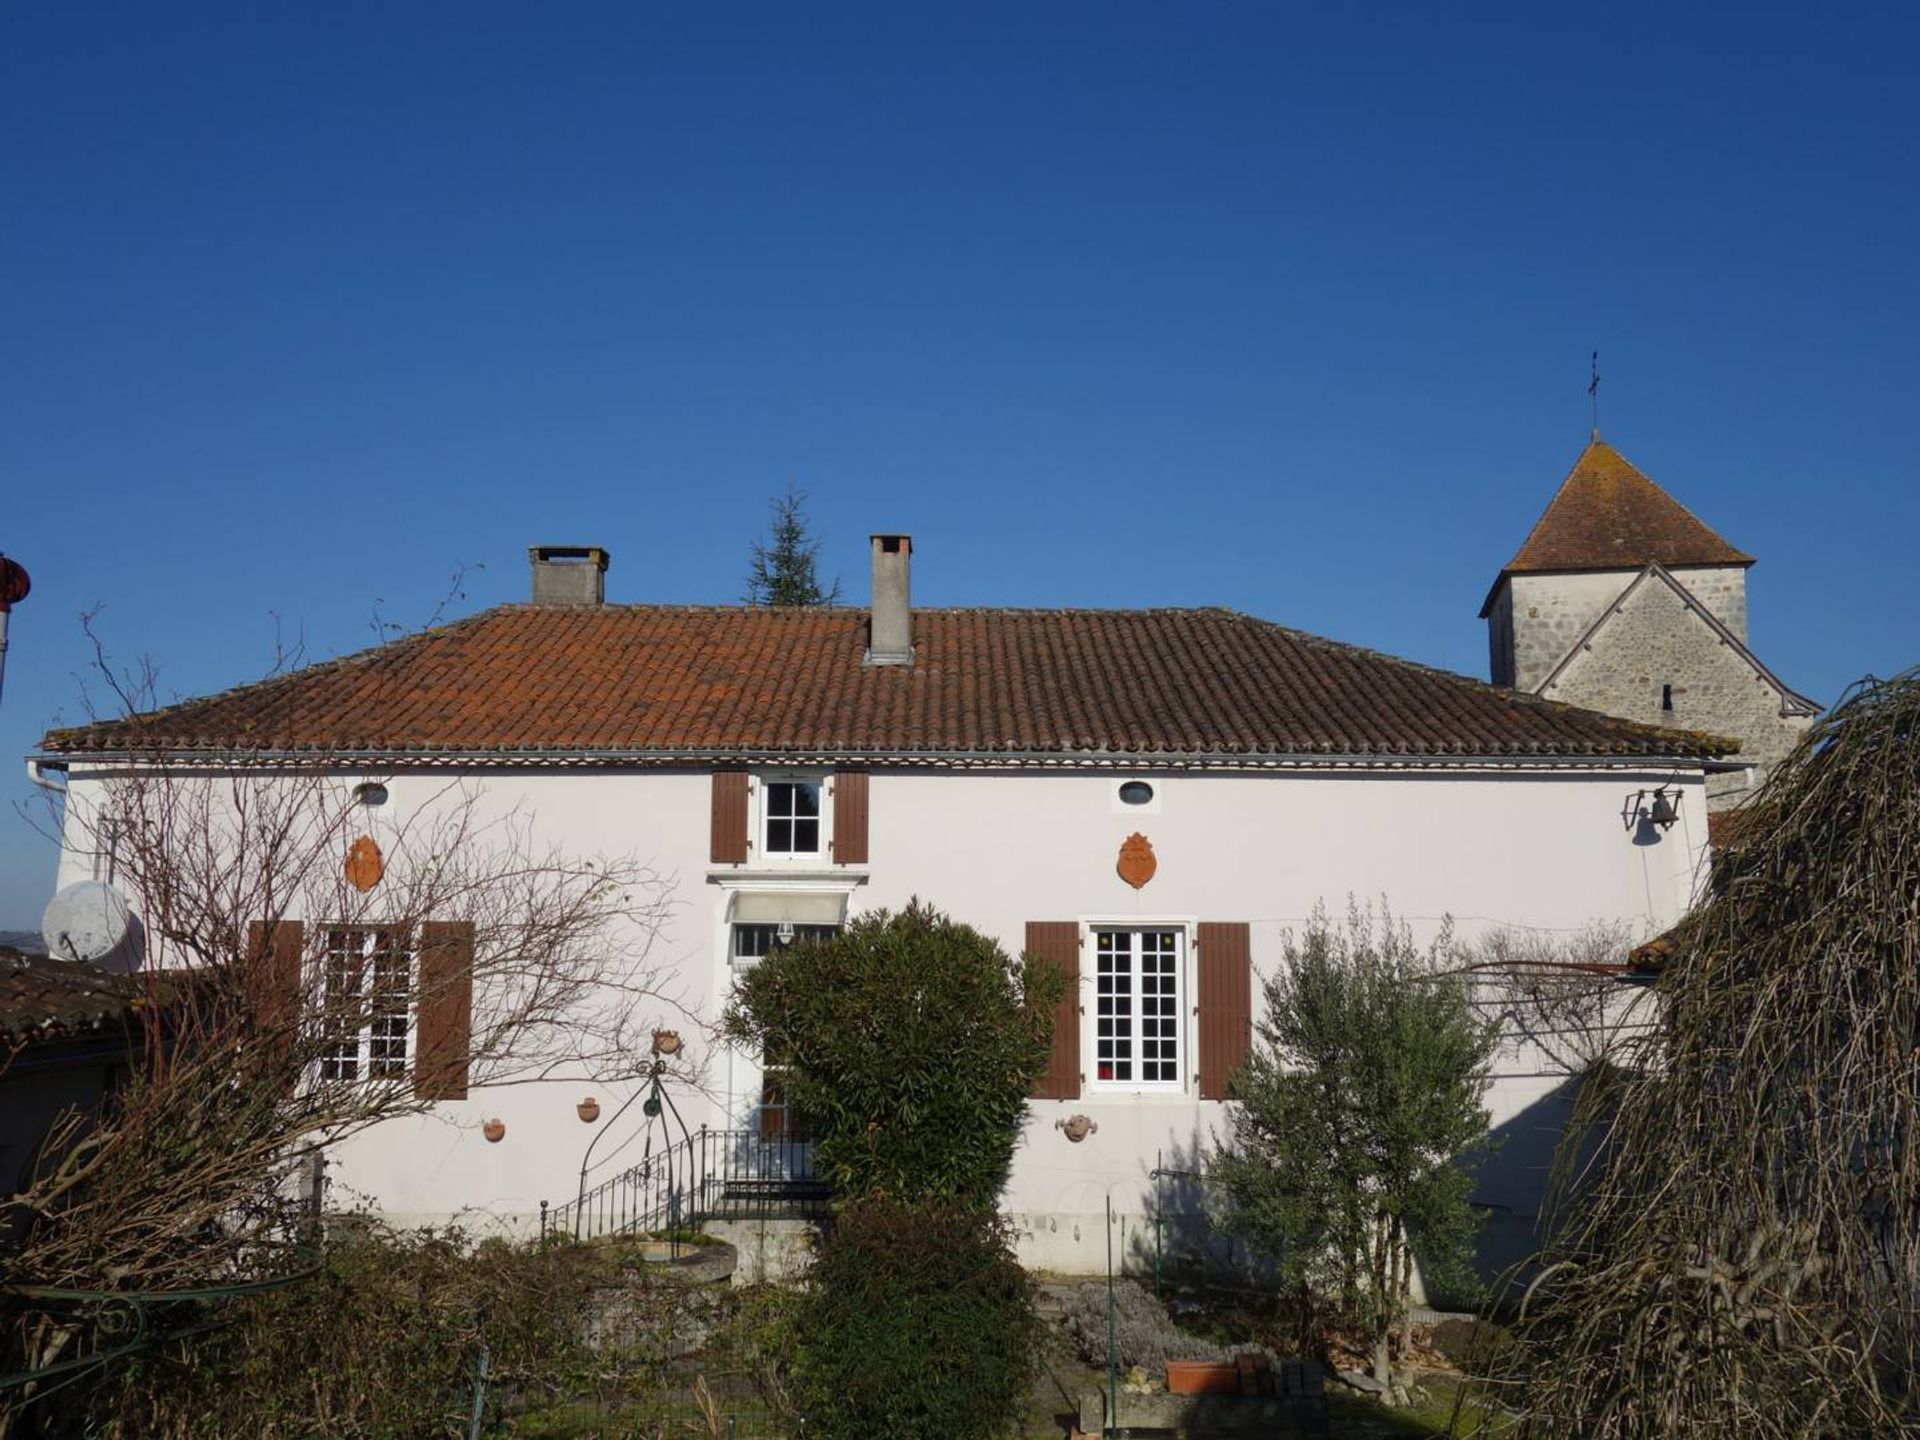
<point x="1607" y="515"/>
<point x="658" y="682"/>
<point x="46" y="999"/>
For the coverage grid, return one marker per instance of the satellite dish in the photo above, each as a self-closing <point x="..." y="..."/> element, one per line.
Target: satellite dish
<point x="91" y="921"/>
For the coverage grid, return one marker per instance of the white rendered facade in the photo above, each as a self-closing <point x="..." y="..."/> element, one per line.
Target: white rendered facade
<point x="1551" y="845"/>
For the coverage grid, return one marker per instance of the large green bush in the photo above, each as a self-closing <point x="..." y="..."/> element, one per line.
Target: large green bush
<point x="909" y="1042"/>
<point x="917" y="1320"/>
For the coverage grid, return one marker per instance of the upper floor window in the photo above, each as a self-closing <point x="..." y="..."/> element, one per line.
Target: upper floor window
<point x="366" y="1003"/>
<point x="1137" y="985"/>
<point x="790" y="818"/>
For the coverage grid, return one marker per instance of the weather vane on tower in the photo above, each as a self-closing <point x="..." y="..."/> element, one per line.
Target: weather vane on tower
<point x="1593" y="393"/>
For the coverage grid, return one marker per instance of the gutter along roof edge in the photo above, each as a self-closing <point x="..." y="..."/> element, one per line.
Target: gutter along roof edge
<point x="1705" y="756"/>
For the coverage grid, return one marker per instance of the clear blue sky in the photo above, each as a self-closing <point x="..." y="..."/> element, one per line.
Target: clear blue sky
<point x="1286" y="308"/>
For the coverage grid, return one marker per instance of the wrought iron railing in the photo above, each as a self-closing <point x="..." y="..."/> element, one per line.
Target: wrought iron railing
<point x="707" y="1175"/>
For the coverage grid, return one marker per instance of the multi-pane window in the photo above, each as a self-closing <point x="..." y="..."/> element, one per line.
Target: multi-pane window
<point x="366" y="1003"/>
<point x="752" y="944"/>
<point x="1137" y="1011"/>
<point x="790" y="811"/>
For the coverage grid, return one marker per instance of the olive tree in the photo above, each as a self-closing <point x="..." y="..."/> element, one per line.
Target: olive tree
<point x="1352" y="1117"/>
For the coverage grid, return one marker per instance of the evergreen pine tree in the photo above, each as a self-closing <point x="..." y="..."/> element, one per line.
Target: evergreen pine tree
<point x="783" y="570"/>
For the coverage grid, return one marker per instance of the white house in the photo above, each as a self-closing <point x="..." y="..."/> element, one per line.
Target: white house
<point x="1146" y="798"/>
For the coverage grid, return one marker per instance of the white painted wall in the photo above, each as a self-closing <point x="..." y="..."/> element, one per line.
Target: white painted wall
<point x="1488" y="847"/>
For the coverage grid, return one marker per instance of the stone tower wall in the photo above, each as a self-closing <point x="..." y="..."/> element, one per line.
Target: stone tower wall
<point x="1551" y="612"/>
<point x="1537" y="619"/>
<point x="1657" y="648"/>
<point x="1722" y="589"/>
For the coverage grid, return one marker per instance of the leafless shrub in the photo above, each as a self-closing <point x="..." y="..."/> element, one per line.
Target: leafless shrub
<point x="1568" y="999"/>
<point x="266" y="968"/>
<point x="1143" y="1335"/>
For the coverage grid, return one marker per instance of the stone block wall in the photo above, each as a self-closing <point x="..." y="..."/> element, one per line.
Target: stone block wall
<point x="1549" y="613"/>
<point x="1722" y="589"/>
<point x="1657" y="651"/>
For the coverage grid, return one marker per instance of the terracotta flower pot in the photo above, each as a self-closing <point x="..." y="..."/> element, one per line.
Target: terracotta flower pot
<point x="495" y="1130"/>
<point x="1203" y="1377"/>
<point x="589" y="1109"/>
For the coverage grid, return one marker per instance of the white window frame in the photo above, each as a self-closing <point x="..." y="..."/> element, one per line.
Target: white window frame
<point x="763" y="819"/>
<point x="371" y="1045"/>
<point x="1183" y="1034"/>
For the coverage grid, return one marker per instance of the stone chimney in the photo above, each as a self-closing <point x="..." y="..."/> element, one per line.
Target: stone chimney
<point x="569" y="574"/>
<point x="890" y="632"/>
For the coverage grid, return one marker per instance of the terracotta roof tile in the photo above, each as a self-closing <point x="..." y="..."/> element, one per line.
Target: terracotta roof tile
<point x="46" y="999"/>
<point x="1607" y="515"/>
<point x="676" y="681"/>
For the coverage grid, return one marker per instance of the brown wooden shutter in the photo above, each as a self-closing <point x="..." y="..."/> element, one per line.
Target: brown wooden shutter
<point x="850" y="817"/>
<point x="444" y="1014"/>
<point x="1058" y="943"/>
<point x="729" y="817"/>
<point x="273" y="987"/>
<point x="1226" y="1003"/>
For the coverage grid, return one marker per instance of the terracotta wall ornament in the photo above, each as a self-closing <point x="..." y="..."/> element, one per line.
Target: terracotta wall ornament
<point x="495" y="1130"/>
<point x="365" y="865"/>
<point x="1137" y="864"/>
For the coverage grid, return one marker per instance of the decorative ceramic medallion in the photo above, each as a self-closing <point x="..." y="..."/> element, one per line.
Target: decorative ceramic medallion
<point x="1137" y="864"/>
<point x="364" y="864"/>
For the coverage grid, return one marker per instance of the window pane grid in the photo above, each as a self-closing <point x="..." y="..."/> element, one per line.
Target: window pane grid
<point x="1137" y="1006"/>
<point x="755" y="942"/>
<point x="366" y="1004"/>
<point x="792" y="809"/>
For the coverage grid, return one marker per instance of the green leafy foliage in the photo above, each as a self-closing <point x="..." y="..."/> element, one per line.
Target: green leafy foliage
<point x="784" y="569"/>
<point x="909" y="1042"/>
<point x="1353" y="1116"/>
<point x="917" y="1320"/>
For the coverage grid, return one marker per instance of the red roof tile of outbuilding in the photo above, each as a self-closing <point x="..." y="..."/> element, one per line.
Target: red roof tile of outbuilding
<point x="41" y="998"/>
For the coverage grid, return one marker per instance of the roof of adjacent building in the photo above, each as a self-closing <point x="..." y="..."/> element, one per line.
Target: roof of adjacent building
<point x="46" y="999"/>
<point x="665" y="683"/>
<point x="1607" y="515"/>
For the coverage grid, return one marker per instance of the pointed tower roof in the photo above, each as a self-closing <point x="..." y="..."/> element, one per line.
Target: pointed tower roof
<point x="1610" y="516"/>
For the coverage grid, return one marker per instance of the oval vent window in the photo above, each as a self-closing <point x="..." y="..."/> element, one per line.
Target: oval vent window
<point x="1136" y="792"/>
<point x="370" y="793"/>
